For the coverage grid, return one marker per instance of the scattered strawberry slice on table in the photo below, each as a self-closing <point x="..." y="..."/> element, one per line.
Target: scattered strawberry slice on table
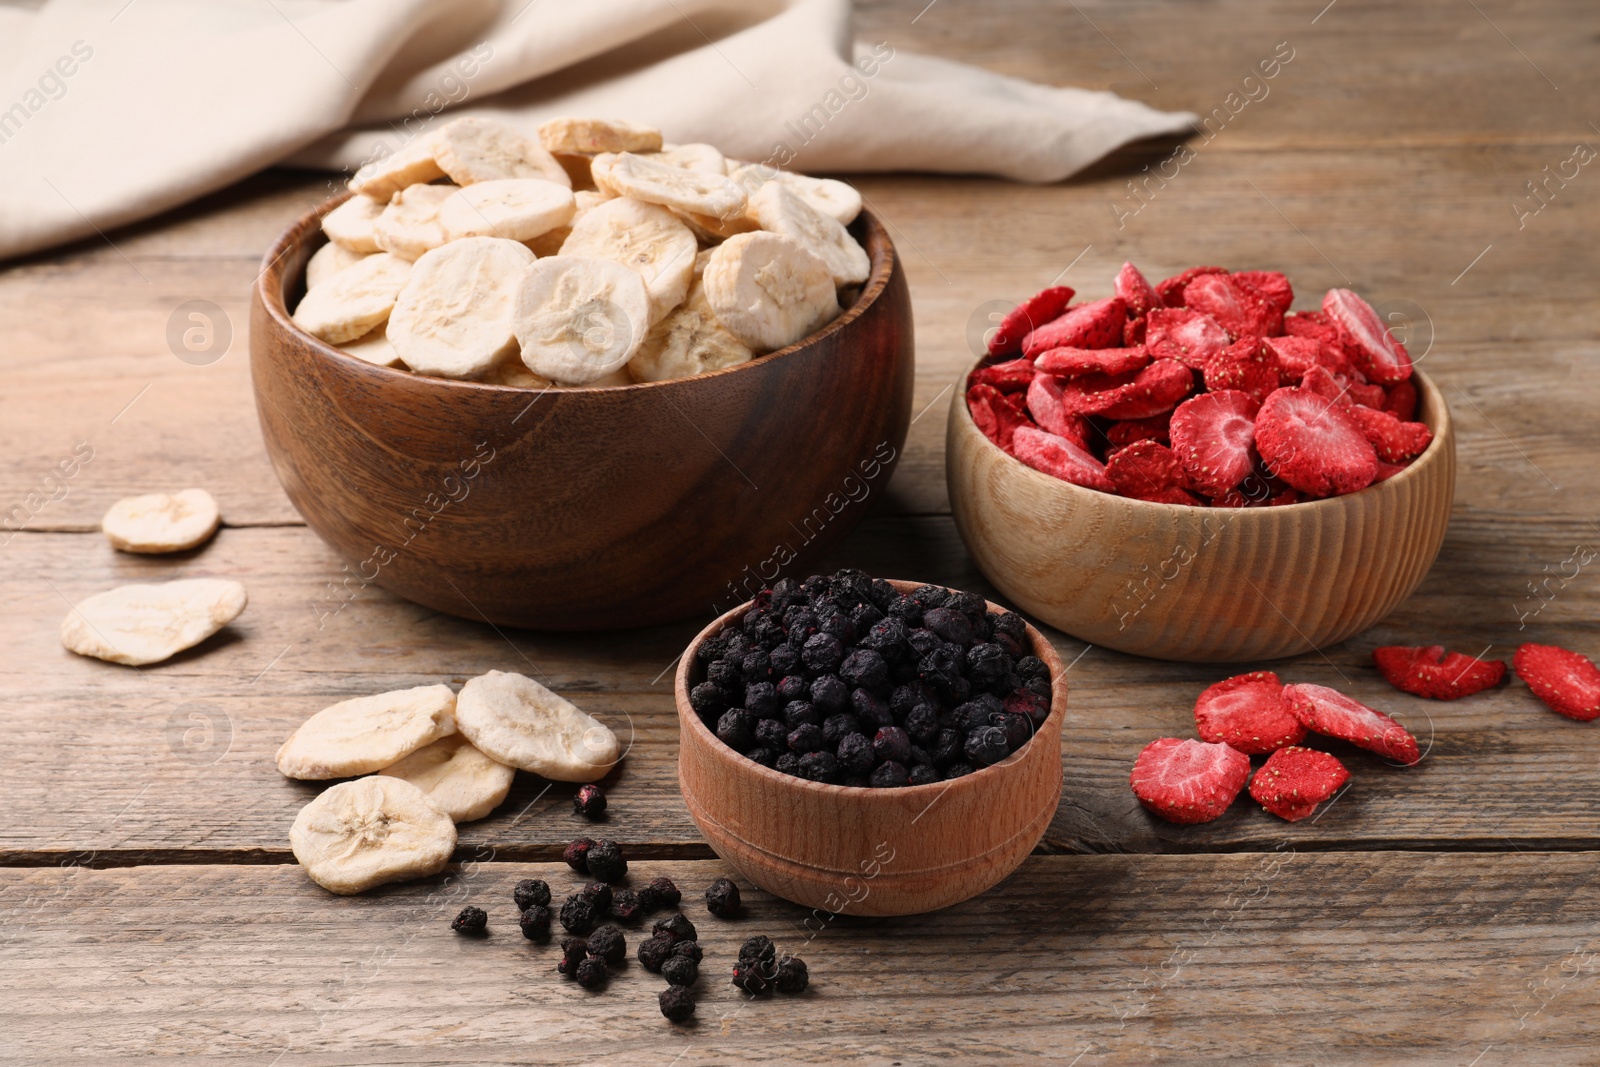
<point x="1295" y="780"/>
<point x="1376" y="352"/>
<point x="1311" y="443"/>
<point x="1058" y="456"/>
<point x="1212" y="435"/>
<point x="1567" y="682"/>
<point x="1331" y="713"/>
<point x="1433" y="672"/>
<point x="1188" y="781"/>
<point x="1096" y="325"/>
<point x="1038" y="309"/>
<point x="1247" y="711"/>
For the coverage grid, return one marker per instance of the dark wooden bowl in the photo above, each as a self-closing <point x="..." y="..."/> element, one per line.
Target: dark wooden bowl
<point x="1201" y="584"/>
<point x="584" y="509"/>
<point x="850" y="850"/>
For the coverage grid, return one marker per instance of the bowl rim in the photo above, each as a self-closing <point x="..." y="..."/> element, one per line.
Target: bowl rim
<point x="689" y="720"/>
<point x="1445" y="428"/>
<point x="271" y="282"/>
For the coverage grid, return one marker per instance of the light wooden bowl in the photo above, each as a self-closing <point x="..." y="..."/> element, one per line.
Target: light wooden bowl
<point x="853" y="850"/>
<point x="1196" y="583"/>
<point x="583" y="509"/>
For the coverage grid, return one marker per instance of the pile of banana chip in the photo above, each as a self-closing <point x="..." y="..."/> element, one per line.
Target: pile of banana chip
<point x="594" y="256"/>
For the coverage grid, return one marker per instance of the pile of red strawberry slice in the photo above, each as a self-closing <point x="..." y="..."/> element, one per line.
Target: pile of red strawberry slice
<point x="1202" y="389"/>
<point x="1189" y="781"/>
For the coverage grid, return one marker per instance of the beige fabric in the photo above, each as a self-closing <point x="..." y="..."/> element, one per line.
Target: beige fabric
<point x="114" y="110"/>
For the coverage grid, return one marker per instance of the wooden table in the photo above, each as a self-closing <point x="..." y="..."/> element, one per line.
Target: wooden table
<point x="1445" y="914"/>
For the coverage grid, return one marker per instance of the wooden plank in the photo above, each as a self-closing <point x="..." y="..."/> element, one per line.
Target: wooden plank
<point x="107" y="758"/>
<point x="1278" y="957"/>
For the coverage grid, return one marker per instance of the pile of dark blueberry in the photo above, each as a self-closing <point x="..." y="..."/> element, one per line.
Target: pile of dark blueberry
<point x="842" y="679"/>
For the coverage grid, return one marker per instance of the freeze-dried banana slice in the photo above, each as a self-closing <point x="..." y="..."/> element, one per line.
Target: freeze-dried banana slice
<point x="580" y="319"/>
<point x="769" y="290"/>
<point x="410" y="225"/>
<point x="411" y="164"/>
<point x="477" y="150"/>
<point x="647" y="238"/>
<point x="642" y="178"/>
<point x="373" y="830"/>
<point x="140" y="624"/>
<point x="518" y="209"/>
<point x="454" y="317"/>
<point x="781" y="211"/>
<point x="373" y="347"/>
<point x="329" y="260"/>
<point x="355" y="301"/>
<point x="687" y="342"/>
<point x="710" y="230"/>
<point x="350" y="224"/>
<point x="835" y="199"/>
<point x="367" y="734"/>
<point x="461" y="781"/>
<point x="600" y="172"/>
<point x="587" y="200"/>
<point x="517" y="721"/>
<point x="692" y="157"/>
<point x="701" y="258"/>
<point x="161" y="522"/>
<point x="598" y="135"/>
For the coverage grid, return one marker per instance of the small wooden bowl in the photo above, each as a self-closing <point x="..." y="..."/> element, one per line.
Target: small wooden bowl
<point x="1196" y="583"/>
<point x="583" y="509"/>
<point x="851" y="850"/>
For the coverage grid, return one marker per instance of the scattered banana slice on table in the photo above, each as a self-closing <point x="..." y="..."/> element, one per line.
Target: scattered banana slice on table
<point x="515" y="720"/>
<point x="586" y="191"/>
<point x="367" y="734"/>
<point x="140" y="624"/>
<point x="460" y="780"/>
<point x="373" y="830"/>
<point x="161" y="522"/>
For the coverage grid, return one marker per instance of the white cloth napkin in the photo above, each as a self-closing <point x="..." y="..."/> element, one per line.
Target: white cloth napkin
<point x="115" y="110"/>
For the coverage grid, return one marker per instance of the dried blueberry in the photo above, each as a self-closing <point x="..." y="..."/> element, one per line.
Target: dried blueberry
<point x="800" y="713"/>
<point x="761" y="754"/>
<point x="535" y="922"/>
<point x="625" y="905"/>
<point x="930" y="596"/>
<point x="607" y="943"/>
<point x="784" y="659"/>
<point x="725" y="675"/>
<point x="830" y="694"/>
<point x="987" y="664"/>
<point x="589" y="802"/>
<point x="855" y="754"/>
<point x="839" y="625"/>
<point x="677" y="1003"/>
<point x="922" y="722"/>
<point x="530" y="891"/>
<point x="661" y="893"/>
<point x="793" y="687"/>
<point x="947" y="747"/>
<point x="772" y="734"/>
<point x="1038" y="684"/>
<point x="865" y="616"/>
<point x="756" y="666"/>
<point x="1017" y="728"/>
<point x="678" y="928"/>
<point x="688" y="950"/>
<point x="987" y="745"/>
<point x="606" y="862"/>
<point x="888" y="638"/>
<point x="679" y="971"/>
<point x="751" y="977"/>
<point x="949" y="624"/>
<point x="708" y="700"/>
<point x="787" y="763"/>
<point x="591" y="974"/>
<point x="1032" y="667"/>
<point x="576" y="854"/>
<point x="761" y="699"/>
<point x="923" y="642"/>
<point x="758" y="949"/>
<point x="835" y="727"/>
<point x="819" y="766"/>
<point x="574" y="950"/>
<point x="805" y="738"/>
<point x="892" y="743"/>
<point x="713" y="648"/>
<point x="1027" y="702"/>
<point x="889" y="775"/>
<point x="598" y="894"/>
<point x="907" y="610"/>
<point x="822" y="652"/>
<point x="736" y="729"/>
<point x="792" y="977"/>
<point x="474" y="922"/>
<point x="722" y="898"/>
<point x="924" y="774"/>
<point x="959" y="769"/>
<point x="578" y="915"/>
<point x="653" y="951"/>
<point x="865" y="669"/>
<point x="871" y="710"/>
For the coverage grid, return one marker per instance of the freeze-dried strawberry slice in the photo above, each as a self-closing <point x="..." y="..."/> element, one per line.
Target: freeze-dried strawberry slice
<point x="1567" y="682"/>
<point x="1058" y="456"/>
<point x="1190" y="337"/>
<point x="1212" y="435"/>
<point x="1008" y="377"/>
<point x="1387" y="471"/>
<point x="1188" y="781"/>
<point x="1330" y="712"/>
<point x="996" y="414"/>
<point x="1393" y="440"/>
<point x="1401" y="401"/>
<point x="1433" y="672"/>
<point x="1376" y="352"/>
<point x="1157" y="388"/>
<point x="1127" y="431"/>
<point x="1313" y="444"/>
<point x="1247" y="712"/>
<point x="1046" y="407"/>
<point x="1239" y="310"/>
<point x="1072" y="362"/>
<point x="1295" y="780"/>
<point x="1171" y="289"/>
<point x="1144" y="469"/>
<point x="1244" y="365"/>
<point x="1136" y="291"/>
<point x="1169" y="496"/>
<point x="1038" y="309"/>
<point x="1270" y="285"/>
<point x="1096" y="325"/>
<point x="1297" y="355"/>
<point x="1341" y="388"/>
<point x="1134" y="330"/>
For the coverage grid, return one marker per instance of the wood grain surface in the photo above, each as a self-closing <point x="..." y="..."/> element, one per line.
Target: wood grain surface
<point x="1391" y="155"/>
